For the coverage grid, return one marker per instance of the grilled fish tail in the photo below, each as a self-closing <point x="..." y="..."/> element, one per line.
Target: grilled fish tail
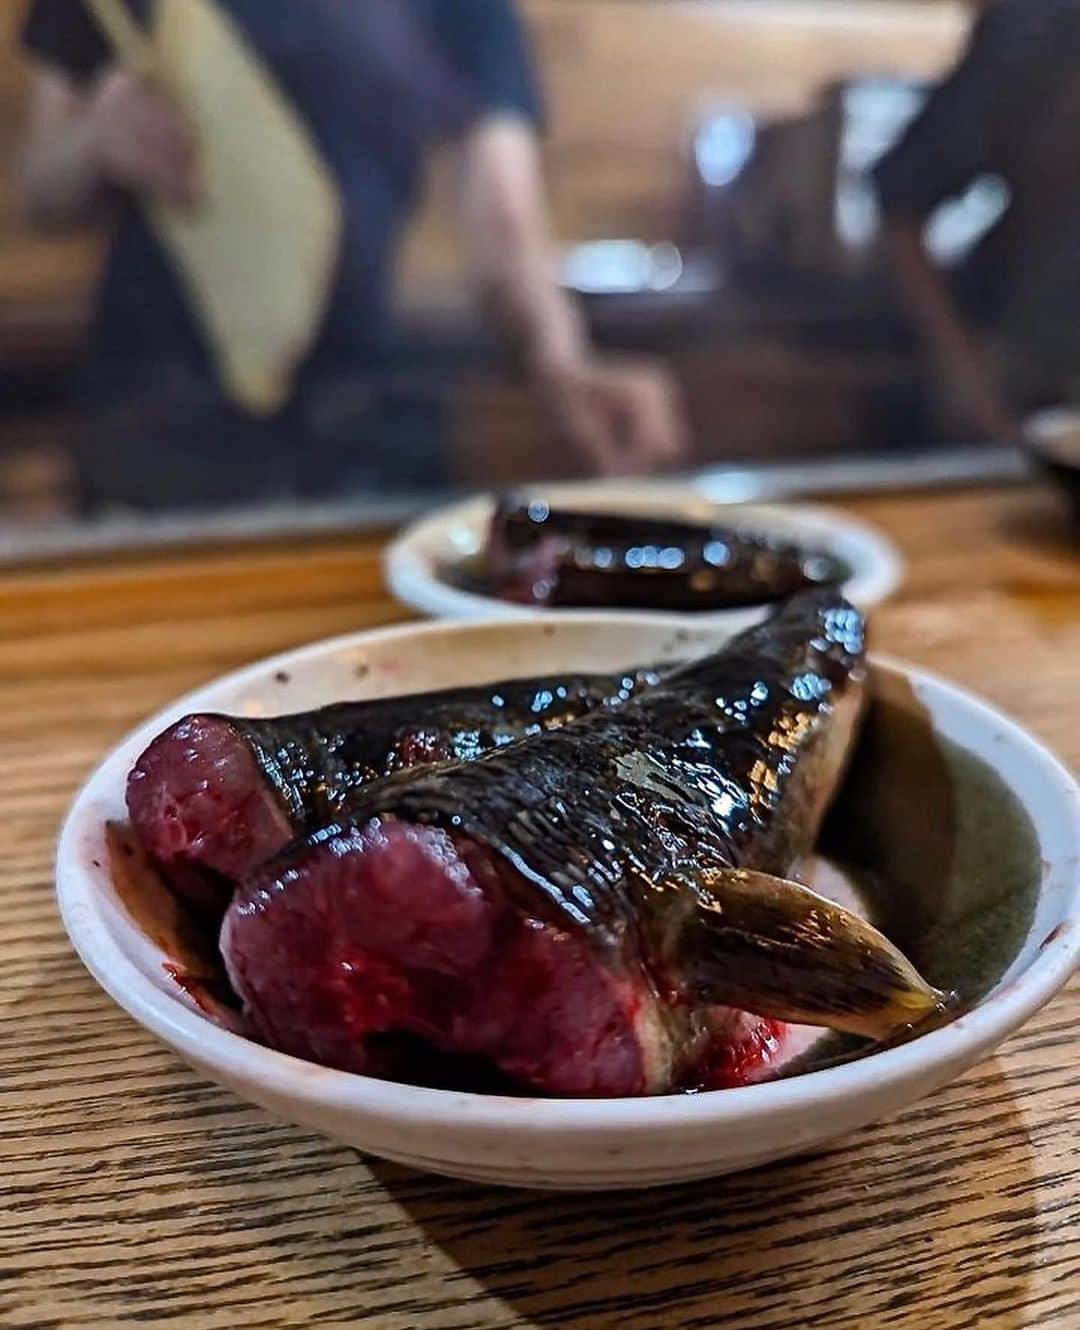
<point x="775" y="948"/>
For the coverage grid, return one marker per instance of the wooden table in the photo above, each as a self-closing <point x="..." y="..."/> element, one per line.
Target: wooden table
<point x="133" y="1192"/>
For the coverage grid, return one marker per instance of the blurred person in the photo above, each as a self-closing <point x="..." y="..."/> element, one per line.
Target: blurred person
<point x="376" y="84"/>
<point x="1002" y="330"/>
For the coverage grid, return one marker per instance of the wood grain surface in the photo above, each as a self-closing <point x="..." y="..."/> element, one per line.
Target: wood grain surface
<point x="135" y="1193"/>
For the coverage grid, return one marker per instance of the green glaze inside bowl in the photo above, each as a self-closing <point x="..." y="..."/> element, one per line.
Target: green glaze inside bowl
<point x="940" y="851"/>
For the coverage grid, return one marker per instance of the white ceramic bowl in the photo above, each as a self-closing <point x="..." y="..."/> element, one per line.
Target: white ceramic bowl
<point x="415" y="564"/>
<point x="573" y="1144"/>
<point x="1055" y="432"/>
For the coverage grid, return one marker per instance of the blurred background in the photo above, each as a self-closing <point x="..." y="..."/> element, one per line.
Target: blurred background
<point x="520" y="241"/>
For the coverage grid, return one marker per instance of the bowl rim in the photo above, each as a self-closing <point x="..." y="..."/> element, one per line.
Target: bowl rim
<point x="413" y="578"/>
<point x="288" y="1079"/>
<point x="1042" y="431"/>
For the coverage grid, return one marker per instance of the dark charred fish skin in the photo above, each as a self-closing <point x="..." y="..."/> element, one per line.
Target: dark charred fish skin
<point x="317" y="762"/>
<point x="702" y="768"/>
<point x="548" y="556"/>
<point x="651" y="841"/>
<point x="214" y="796"/>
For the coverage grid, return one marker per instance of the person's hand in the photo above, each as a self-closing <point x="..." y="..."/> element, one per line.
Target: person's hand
<point x="140" y="141"/>
<point x="621" y="416"/>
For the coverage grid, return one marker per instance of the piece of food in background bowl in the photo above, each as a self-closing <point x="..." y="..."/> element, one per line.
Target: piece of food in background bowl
<point x="592" y="910"/>
<point x="214" y="796"/>
<point x="542" y="555"/>
<point x="438" y="564"/>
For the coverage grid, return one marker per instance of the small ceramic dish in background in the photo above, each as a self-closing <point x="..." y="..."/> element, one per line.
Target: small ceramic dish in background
<point x="423" y="566"/>
<point x="990" y="867"/>
<point x="1053" y="439"/>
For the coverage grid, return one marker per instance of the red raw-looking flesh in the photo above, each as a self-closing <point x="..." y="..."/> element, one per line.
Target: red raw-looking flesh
<point x="398" y="929"/>
<point x="393" y="929"/>
<point x="203" y="810"/>
<point x="751" y="1048"/>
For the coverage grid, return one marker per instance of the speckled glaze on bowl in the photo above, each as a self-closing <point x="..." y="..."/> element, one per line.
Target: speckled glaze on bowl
<point x="565" y="1144"/>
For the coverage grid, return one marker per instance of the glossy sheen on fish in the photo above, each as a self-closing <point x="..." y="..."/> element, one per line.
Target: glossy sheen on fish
<point x="318" y="761"/>
<point x="214" y="796"/>
<point x="637" y="825"/>
<point x="704" y="767"/>
<point x="548" y="556"/>
<point x="592" y="910"/>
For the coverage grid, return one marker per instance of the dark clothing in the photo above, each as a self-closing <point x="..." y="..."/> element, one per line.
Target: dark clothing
<point x="1010" y="109"/>
<point x="376" y="83"/>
